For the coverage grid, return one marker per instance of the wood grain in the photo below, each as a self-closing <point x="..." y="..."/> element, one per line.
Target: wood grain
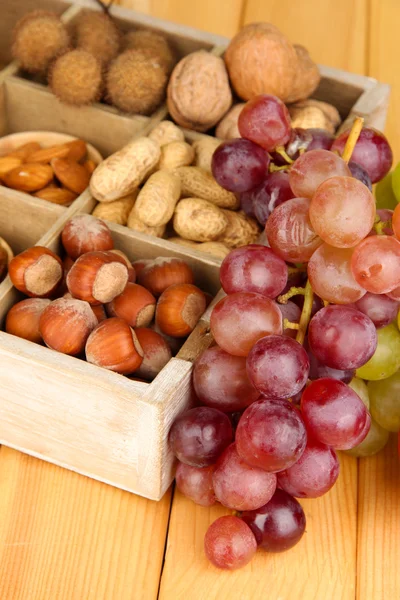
<point x="334" y="31"/>
<point x="65" y="537"/>
<point x="321" y="566"/>
<point x="221" y="17"/>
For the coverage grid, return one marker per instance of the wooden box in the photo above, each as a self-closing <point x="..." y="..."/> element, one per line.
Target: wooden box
<point x="60" y="408"/>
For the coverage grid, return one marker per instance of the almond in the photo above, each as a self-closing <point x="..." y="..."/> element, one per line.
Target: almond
<point x="25" y="150"/>
<point x="8" y="163"/>
<point x="45" y="155"/>
<point x="77" y="150"/>
<point x="90" y="166"/>
<point x="56" y="195"/>
<point x="72" y="175"/>
<point x="29" y="177"/>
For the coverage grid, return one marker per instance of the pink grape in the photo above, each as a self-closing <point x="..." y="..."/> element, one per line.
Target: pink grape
<point x="253" y="268"/>
<point x="318" y="370"/>
<point x="372" y="152"/>
<point x="279" y="525"/>
<point x="220" y="380"/>
<point x="313" y="168"/>
<point x="229" y="543"/>
<point x="196" y="483"/>
<point x="330" y="275"/>
<point x="198" y="436"/>
<point x="265" y="120"/>
<point x="342" y="337"/>
<point x="292" y="313"/>
<point x="239" y="320"/>
<point x="381" y="309"/>
<point x="278" y="366"/>
<point x="320" y="139"/>
<point x="394" y="294"/>
<point x="314" y="474"/>
<point x="261" y="200"/>
<point x="361" y="174"/>
<point x="239" y="165"/>
<point x="271" y="435"/>
<point x="336" y="209"/>
<point x="290" y="233"/>
<point x="375" y="264"/>
<point x="334" y="414"/>
<point x="239" y="486"/>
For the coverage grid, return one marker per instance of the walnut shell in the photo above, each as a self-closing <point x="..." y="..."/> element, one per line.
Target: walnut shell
<point x="260" y="60"/>
<point x="228" y="129"/>
<point x="198" y="92"/>
<point x="307" y="76"/>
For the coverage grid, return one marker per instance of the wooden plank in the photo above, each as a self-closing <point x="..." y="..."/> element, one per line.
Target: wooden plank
<point x="378" y="574"/>
<point x="65" y="537"/>
<point x="208" y="15"/>
<point x="333" y="30"/>
<point x="321" y="566"/>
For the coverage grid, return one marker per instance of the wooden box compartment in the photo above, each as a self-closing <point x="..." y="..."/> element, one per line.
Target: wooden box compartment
<point x="83" y="417"/>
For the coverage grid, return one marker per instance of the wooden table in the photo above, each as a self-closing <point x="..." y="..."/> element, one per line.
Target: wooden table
<point x="65" y="537"/>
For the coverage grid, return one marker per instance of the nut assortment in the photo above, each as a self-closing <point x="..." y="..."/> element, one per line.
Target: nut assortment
<point x="58" y="174"/>
<point x="91" y="305"/>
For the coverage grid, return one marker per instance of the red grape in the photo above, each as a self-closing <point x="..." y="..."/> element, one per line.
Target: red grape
<point x="372" y="152"/>
<point x="334" y="414"/>
<point x="220" y="380"/>
<point x="261" y="201"/>
<point x="239" y="165"/>
<point x="342" y="337"/>
<point x="229" y="543"/>
<point x="330" y="275"/>
<point x="381" y="309"/>
<point x="196" y="483"/>
<point x="289" y="231"/>
<point x="279" y="525"/>
<point x="239" y="320"/>
<point x="253" y="268"/>
<point x="265" y="120"/>
<point x="314" y="473"/>
<point x="239" y="486"/>
<point x="361" y="174"/>
<point x="375" y="264"/>
<point x="292" y="313"/>
<point x="313" y="168"/>
<point x="278" y="366"/>
<point x="320" y="139"/>
<point x="318" y="369"/>
<point x="335" y="211"/>
<point x="271" y="435"/>
<point x="199" y="436"/>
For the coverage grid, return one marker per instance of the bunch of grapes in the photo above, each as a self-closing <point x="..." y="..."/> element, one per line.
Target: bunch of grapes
<point x="307" y="319"/>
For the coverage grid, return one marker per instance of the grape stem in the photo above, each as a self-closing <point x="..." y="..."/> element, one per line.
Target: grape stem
<point x="282" y="152"/>
<point x="295" y="270"/>
<point x="294" y="291"/>
<point x="289" y="324"/>
<point x="352" y="139"/>
<point x="381" y="225"/>
<point x="305" y="313"/>
<point x="273" y="168"/>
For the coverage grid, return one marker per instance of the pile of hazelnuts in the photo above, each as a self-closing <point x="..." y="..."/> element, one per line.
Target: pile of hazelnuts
<point x="95" y="304"/>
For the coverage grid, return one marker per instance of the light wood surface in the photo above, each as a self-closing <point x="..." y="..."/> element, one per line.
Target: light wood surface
<point x="65" y="537"/>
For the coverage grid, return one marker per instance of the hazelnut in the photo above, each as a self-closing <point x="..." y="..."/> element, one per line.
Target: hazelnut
<point x="160" y="273"/>
<point x="156" y="352"/>
<point x="131" y="269"/>
<point x="135" y="305"/>
<point x="138" y="265"/>
<point x="67" y="264"/>
<point x="3" y="263"/>
<point x="114" y="346"/>
<point x="175" y="344"/>
<point x="97" y="277"/>
<point x="36" y="272"/>
<point x="99" y="312"/>
<point x="23" y="319"/>
<point x="179" y="309"/>
<point x="65" y="325"/>
<point x="85" y="233"/>
<point x="198" y="91"/>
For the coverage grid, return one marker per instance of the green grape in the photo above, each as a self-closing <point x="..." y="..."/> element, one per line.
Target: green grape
<point x="396" y="182"/>
<point x="384" y="194"/>
<point x="386" y="359"/>
<point x="385" y="402"/>
<point x="376" y="439"/>
<point x="360" y="388"/>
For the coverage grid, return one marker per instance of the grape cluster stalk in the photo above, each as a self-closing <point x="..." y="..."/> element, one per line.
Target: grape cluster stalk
<point x="307" y="344"/>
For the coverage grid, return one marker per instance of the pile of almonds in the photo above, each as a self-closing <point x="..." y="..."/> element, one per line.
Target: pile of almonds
<point x="57" y="173"/>
<point x="161" y="185"/>
<point x="95" y="304"/>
